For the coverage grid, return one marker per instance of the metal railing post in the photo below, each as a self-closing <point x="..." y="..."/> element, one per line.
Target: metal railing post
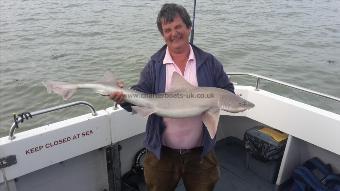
<point x="258" y="84"/>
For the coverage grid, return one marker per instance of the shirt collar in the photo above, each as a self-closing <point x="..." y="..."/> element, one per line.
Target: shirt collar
<point x="168" y="59"/>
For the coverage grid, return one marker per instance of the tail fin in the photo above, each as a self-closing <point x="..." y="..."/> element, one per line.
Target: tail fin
<point x="64" y="89"/>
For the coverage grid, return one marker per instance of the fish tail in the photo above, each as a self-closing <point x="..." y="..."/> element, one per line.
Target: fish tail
<point x="64" y="89"/>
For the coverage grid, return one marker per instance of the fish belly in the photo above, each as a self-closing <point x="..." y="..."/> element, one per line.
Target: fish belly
<point x="181" y="110"/>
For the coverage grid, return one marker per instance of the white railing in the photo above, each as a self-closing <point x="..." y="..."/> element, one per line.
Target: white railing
<point x="259" y="78"/>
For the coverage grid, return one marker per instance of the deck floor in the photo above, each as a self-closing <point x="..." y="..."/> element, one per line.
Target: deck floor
<point x="235" y="176"/>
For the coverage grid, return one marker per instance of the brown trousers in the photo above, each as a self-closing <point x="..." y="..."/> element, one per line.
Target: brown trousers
<point x="197" y="173"/>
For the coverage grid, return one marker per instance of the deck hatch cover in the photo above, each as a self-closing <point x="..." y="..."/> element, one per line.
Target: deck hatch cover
<point x="8" y="161"/>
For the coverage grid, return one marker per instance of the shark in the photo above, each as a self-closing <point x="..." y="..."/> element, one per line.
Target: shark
<point x="181" y="101"/>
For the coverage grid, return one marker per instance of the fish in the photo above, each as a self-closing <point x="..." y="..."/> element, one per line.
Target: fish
<point x="181" y="101"/>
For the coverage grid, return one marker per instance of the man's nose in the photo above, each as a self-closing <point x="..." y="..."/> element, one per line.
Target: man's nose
<point x="175" y="33"/>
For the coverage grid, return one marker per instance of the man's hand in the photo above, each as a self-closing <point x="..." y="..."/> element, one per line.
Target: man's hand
<point x="118" y="97"/>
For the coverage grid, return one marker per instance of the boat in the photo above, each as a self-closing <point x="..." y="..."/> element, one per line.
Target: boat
<point x="93" y="151"/>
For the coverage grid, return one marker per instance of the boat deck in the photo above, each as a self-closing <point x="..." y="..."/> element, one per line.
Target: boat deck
<point x="235" y="176"/>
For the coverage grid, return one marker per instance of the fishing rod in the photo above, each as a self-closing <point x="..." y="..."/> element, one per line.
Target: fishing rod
<point x="193" y="24"/>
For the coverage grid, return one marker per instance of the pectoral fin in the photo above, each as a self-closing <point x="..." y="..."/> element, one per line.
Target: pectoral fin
<point x="210" y="119"/>
<point x="143" y="111"/>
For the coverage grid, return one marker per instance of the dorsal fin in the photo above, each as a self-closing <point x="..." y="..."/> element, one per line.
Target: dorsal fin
<point x="108" y="78"/>
<point x="178" y="83"/>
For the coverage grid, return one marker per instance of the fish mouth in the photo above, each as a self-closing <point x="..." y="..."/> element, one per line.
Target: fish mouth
<point x="241" y="107"/>
<point x="251" y="105"/>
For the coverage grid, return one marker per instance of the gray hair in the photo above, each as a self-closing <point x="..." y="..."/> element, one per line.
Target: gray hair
<point x="169" y="11"/>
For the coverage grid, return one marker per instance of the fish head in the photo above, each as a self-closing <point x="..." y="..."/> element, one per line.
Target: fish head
<point x="233" y="103"/>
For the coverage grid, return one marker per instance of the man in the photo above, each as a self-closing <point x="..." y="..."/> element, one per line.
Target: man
<point x="178" y="148"/>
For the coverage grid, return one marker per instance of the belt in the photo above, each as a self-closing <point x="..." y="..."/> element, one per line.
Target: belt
<point x="182" y="151"/>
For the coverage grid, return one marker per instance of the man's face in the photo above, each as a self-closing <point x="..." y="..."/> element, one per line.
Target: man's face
<point x="176" y="34"/>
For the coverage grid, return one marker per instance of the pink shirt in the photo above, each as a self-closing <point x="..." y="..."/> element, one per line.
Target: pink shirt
<point x="182" y="133"/>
